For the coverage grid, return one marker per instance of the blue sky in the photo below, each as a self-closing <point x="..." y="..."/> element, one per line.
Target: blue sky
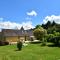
<point x="16" y="11"/>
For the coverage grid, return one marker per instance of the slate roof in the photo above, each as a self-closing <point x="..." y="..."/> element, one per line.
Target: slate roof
<point x="21" y="32"/>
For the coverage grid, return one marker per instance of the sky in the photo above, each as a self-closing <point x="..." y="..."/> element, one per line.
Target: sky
<point x="28" y="13"/>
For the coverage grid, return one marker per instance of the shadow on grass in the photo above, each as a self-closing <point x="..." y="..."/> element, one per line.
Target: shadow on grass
<point x="35" y="42"/>
<point x="17" y="50"/>
<point x="53" y="45"/>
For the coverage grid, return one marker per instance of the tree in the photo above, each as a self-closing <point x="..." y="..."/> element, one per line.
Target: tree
<point x="40" y="33"/>
<point x="53" y="23"/>
<point x="47" y="25"/>
<point x="38" y="26"/>
<point x="51" y="30"/>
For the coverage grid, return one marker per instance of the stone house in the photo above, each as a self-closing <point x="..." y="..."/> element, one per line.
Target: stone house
<point x="13" y="35"/>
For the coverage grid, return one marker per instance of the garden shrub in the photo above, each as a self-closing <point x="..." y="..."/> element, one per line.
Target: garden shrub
<point x="55" y="40"/>
<point x="6" y="43"/>
<point x="19" y="45"/>
<point x="2" y="43"/>
<point x="49" y="37"/>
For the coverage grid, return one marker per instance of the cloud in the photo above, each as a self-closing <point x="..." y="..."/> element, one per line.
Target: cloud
<point x="27" y="25"/>
<point x="32" y="13"/>
<point x="52" y="18"/>
<point x="13" y="25"/>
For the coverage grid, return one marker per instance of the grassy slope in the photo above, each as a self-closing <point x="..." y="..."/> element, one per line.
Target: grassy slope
<point x="30" y="52"/>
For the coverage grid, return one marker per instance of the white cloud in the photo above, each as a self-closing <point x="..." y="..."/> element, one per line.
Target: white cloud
<point x="52" y="18"/>
<point x="13" y="25"/>
<point x="32" y="13"/>
<point x="27" y="25"/>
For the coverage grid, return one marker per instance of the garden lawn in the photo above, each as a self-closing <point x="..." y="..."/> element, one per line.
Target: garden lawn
<point x="30" y="52"/>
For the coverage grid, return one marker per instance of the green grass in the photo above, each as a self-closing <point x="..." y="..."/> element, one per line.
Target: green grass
<point x="30" y="52"/>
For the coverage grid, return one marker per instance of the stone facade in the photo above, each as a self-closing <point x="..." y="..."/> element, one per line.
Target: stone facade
<point x="11" y="35"/>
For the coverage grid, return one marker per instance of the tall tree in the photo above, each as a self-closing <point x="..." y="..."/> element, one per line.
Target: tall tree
<point x="38" y="26"/>
<point x="40" y="33"/>
<point x="47" y="25"/>
<point x="53" y="23"/>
